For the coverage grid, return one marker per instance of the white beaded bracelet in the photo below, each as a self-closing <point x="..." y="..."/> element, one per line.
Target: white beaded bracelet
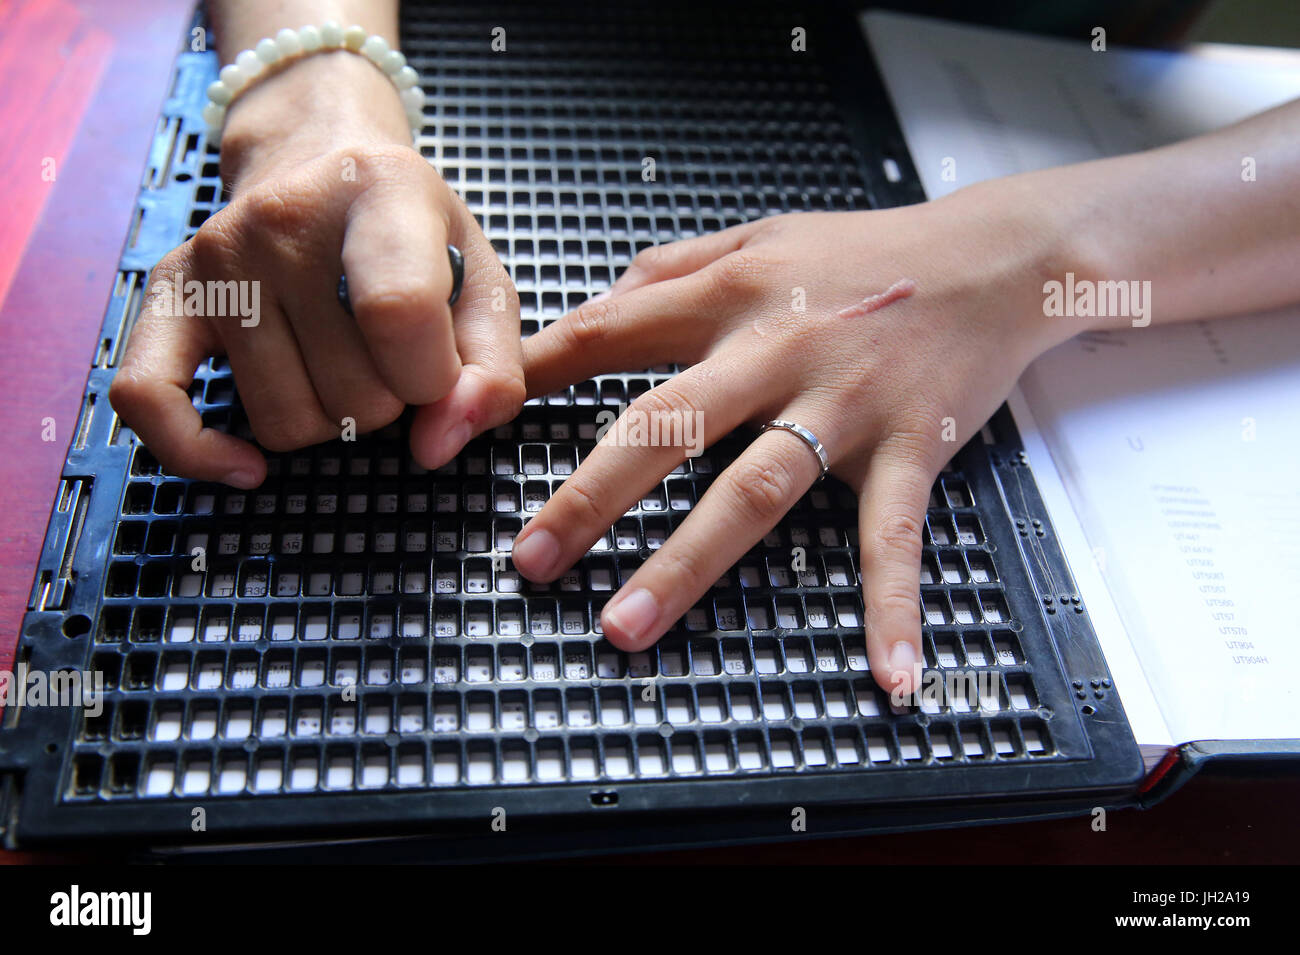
<point x="291" y="44"/>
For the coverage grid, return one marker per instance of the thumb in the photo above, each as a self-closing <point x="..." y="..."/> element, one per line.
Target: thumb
<point x="491" y="388"/>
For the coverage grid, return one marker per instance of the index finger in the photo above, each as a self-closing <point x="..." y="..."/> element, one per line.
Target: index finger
<point x="655" y="325"/>
<point x="150" y="391"/>
<point x="490" y="390"/>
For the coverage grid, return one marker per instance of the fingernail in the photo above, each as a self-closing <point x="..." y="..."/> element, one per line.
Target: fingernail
<point x="633" y="616"/>
<point x="537" y="554"/>
<point x="599" y="296"/>
<point x="245" y="480"/>
<point x="902" y="661"/>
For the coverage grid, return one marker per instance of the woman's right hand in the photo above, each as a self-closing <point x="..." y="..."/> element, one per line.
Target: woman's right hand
<point x="324" y="183"/>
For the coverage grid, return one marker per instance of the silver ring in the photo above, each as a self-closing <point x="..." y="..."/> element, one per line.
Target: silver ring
<point x="804" y="435"/>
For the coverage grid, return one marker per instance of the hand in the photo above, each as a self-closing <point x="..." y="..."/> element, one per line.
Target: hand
<point x="958" y="283"/>
<point x="317" y="195"/>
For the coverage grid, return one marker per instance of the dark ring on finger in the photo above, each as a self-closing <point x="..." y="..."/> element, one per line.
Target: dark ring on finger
<point x="454" y="257"/>
<point x="457" y="272"/>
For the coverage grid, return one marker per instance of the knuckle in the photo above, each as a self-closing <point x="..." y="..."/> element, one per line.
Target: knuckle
<point x="777" y="225"/>
<point x="686" y="564"/>
<point x="652" y="259"/>
<point x="398" y="305"/>
<point x="913" y="447"/>
<point x="581" y="504"/>
<point x="736" y="278"/>
<point x="388" y="158"/>
<point x="176" y="259"/>
<point x="507" y="392"/>
<point x="591" y="324"/>
<point x="381" y="409"/>
<point x="762" y="488"/>
<point x="130" y="395"/>
<point x="288" y="431"/>
<point x="744" y="270"/>
<point x="899" y="532"/>
<point x="893" y="603"/>
<point x="268" y="207"/>
<point x="214" y="247"/>
<point x="667" y="401"/>
<point x="861" y="384"/>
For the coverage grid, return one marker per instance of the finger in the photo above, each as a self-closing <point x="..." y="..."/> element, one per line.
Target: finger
<point x="399" y="280"/>
<point x="672" y="260"/>
<point x="742" y="505"/>
<point x="671" y="424"/>
<point x="653" y="326"/>
<point x="490" y="390"/>
<point x="342" y="371"/>
<point x="150" y="391"/>
<point x="891" y="519"/>
<point x="274" y="387"/>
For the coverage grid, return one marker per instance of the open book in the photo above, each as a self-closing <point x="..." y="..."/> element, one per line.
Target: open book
<point x="1169" y="457"/>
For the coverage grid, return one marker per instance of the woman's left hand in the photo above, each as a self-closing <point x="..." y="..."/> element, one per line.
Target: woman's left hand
<point x="892" y="336"/>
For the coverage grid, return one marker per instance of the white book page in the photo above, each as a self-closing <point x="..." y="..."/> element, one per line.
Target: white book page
<point x="996" y="103"/>
<point x="1185" y="475"/>
<point x="1144" y="715"/>
<point x="1213" y="406"/>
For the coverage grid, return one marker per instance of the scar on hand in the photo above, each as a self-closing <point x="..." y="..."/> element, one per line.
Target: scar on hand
<point x="899" y="290"/>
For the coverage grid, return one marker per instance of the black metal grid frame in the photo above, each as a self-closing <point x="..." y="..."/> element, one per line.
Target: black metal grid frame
<point x="554" y="196"/>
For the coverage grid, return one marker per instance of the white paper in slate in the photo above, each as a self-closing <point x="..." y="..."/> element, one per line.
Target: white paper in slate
<point x="1169" y="457"/>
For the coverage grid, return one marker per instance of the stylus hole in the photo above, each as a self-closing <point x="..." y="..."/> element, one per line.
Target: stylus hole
<point x="77" y="625"/>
